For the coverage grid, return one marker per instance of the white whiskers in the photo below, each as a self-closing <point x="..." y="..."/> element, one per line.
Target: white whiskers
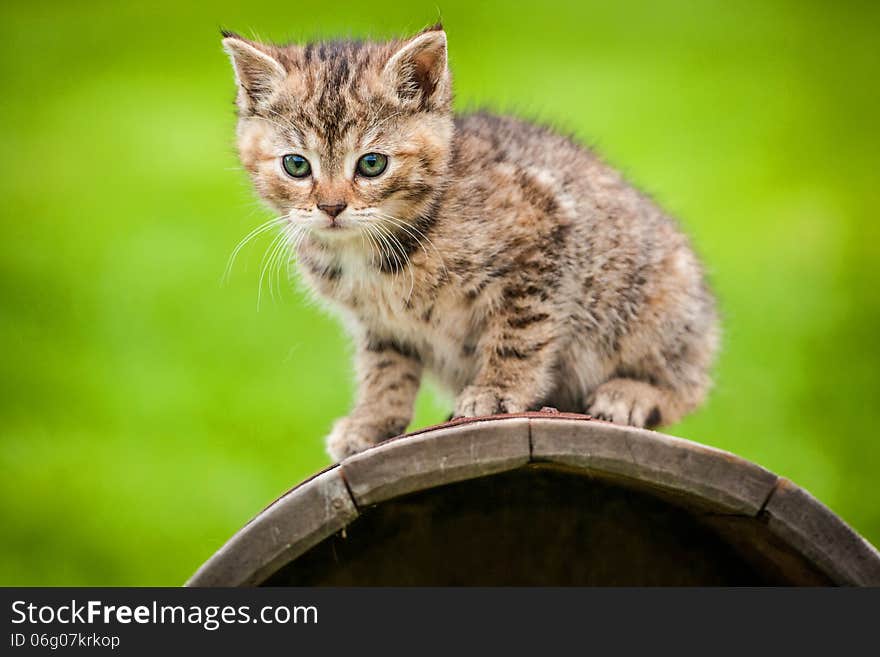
<point x="259" y="230"/>
<point x="383" y="238"/>
<point x="387" y="246"/>
<point x="276" y="259"/>
<point x="418" y="235"/>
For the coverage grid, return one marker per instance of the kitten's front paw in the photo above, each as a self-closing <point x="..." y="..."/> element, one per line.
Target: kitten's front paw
<point x="476" y="401"/>
<point x="348" y="438"/>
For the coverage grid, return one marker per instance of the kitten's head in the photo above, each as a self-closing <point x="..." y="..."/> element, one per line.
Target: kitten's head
<point x="339" y="134"/>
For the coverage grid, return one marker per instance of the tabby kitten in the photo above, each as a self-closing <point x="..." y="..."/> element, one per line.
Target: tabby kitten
<point x="505" y="260"/>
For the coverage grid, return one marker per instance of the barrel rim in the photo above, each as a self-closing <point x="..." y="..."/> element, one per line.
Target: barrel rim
<point x="678" y="470"/>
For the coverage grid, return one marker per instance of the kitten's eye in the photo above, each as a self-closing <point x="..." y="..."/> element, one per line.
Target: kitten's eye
<point x="372" y="164"/>
<point x="296" y="165"/>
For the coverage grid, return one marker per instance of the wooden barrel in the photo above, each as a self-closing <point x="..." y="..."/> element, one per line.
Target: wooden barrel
<point x="543" y="499"/>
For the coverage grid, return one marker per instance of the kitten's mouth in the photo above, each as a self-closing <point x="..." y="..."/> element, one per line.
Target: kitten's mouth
<point x="335" y="227"/>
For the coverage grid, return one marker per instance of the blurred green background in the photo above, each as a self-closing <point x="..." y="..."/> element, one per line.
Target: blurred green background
<point x="146" y="411"/>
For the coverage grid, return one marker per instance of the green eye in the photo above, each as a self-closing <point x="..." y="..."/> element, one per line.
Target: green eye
<point x="296" y="165"/>
<point x="372" y="164"/>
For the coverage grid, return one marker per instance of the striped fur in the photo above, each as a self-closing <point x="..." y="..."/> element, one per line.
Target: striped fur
<point x="505" y="260"/>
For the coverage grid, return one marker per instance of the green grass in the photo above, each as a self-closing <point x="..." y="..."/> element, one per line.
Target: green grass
<point x="146" y="411"/>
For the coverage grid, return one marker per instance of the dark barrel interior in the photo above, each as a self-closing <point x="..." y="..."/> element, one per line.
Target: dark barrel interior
<point x="531" y="526"/>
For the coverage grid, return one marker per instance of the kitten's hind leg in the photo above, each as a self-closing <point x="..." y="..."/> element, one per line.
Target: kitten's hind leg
<point x="633" y="402"/>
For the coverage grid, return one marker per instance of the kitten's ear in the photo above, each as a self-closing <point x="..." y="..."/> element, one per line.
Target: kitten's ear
<point x="418" y="72"/>
<point x="257" y="73"/>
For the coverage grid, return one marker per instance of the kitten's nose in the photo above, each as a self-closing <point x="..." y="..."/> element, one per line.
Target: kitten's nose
<point x="333" y="209"/>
